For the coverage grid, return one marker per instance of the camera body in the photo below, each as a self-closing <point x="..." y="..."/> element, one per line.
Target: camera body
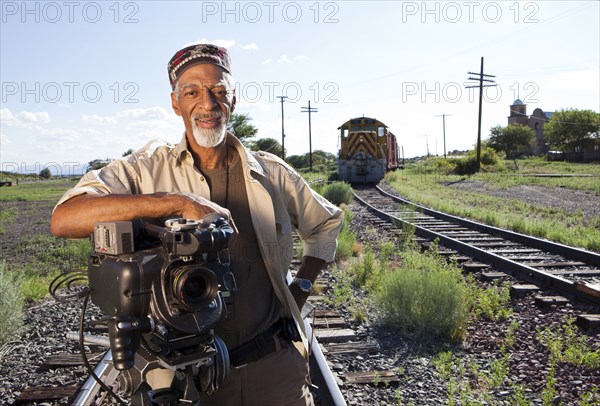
<point x="164" y="290"/>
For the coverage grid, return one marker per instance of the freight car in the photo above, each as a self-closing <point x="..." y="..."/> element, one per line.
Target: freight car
<point x="367" y="150"/>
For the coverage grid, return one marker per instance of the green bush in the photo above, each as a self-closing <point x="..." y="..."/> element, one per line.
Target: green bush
<point x="338" y="193"/>
<point x="465" y="166"/>
<point x="346" y="239"/>
<point x="11" y="305"/>
<point x="489" y="156"/>
<point x="425" y="298"/>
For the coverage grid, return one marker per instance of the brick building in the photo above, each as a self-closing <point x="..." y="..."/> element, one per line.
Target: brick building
<point x="536" y="121"/>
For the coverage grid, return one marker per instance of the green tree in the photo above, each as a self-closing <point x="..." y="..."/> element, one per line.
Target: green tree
<point x="128" y="152"/>
<point x="98" y="163"/>
<point x="572" y="128"/>
<point x="298" y="161"/>
<point x="240" y="126"/>
<point x="45" y="173"/>
<point x="320" y="159"/>
<point x="514" y="139"/>
<point x="268" y="145"/>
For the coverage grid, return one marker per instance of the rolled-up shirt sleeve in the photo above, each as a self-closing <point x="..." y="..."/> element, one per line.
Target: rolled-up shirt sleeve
<point x="118" y="177"/>
<point x="318" y="221"/>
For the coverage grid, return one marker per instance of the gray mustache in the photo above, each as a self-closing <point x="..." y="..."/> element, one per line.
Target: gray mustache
<point x="205" y="116"/>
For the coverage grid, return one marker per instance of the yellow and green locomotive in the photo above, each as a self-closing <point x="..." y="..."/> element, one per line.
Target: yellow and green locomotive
<point x="367" y="150"/>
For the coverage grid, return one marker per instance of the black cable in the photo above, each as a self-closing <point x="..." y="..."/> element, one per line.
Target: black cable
<point x="85" y="360"/>
<point x="71" y="281"/>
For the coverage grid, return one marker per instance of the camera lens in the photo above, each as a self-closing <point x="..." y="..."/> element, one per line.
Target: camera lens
<point x="194" y="287"/>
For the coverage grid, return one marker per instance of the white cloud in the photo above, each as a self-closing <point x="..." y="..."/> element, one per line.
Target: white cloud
<point x="574" y="80"/>
<point x="96" y="119"/>
<point x="150" y="113"/>
<point x="6" y="116"/>
<point x="251" y="46"/>
<point x="24" y="119"/>
<point x="267" y="61"/>
<point x="4" y="140"/>
<point x="284" y="59"/>
<point x="299" y="57"/>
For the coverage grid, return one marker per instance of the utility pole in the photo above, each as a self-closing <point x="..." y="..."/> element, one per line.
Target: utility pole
<point x="482" y="78"/>
<point x="443" y="116"/>
<point x="309" y="110"/>
<point x="282" y="128"/>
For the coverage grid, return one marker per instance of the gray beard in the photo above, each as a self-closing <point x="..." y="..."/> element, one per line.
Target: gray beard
<point x="209" y="137"/>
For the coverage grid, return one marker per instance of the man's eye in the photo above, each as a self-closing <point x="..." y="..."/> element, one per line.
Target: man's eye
<point x="190" y="93"/>
<point x="220" y="92"/>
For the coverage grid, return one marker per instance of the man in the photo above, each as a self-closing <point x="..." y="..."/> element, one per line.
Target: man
<point x="211" y="171"/>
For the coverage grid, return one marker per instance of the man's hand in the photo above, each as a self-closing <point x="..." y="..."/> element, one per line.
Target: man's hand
<point x="195" y="207"/>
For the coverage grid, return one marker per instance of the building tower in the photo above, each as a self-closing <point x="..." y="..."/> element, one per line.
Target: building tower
<point x="518" y="113"/>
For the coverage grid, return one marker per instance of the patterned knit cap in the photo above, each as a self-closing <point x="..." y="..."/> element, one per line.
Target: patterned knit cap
<point x="195" y="54"/>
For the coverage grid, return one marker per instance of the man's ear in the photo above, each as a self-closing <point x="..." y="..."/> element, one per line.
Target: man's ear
<point x="233" y="102"/>
<point x="175" y="104"/>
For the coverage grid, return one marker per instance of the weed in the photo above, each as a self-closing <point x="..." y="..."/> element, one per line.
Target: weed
<point x="338" y="193"/>
<point x="549" y="393"/>
<point x="566" y="345"/>
<point x="11" y="304"/>
<point x="7" y="217"/>
<point x="510" y="339"/>
<point x="518" y="397"/>
<point x="498" y="372"/>
<point x="493" y="302"/>
<point x="346" y="241"/>
<point x="424" y="297"/>
<point x="46" y="257"/>
<point x="590" y="398"/>
<point x="444" y="363"/>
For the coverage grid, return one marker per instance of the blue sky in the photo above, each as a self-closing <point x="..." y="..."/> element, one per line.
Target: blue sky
<point x="87" y="79"/>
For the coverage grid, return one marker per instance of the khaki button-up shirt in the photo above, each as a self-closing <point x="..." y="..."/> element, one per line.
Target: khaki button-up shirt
<point x="280" y="201"/>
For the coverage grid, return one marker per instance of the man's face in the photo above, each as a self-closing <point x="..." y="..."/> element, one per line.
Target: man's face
<point x="204" y="98"/>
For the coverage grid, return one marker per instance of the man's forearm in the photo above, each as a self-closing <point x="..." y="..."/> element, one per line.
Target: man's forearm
<point x="310" y="269"/>
<point x="75" y="218"/>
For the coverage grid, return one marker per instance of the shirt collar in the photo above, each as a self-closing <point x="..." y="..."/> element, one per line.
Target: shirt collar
<point x="182" y="152"/>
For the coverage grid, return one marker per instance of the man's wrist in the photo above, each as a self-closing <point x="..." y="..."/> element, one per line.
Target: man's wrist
<point x="304" y="285"/>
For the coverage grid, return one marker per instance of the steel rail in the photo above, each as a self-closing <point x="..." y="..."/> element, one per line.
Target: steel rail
<point x="589" y="257"/>
<point x="105" y="371"/>
<point x="528" y="272"/>
<point x="332" y="386"/>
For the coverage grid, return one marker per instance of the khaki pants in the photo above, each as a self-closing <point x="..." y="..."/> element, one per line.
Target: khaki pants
<point x="277" y="379"/>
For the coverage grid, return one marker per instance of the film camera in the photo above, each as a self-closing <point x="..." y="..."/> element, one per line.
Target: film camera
<point x="163" y="292"/>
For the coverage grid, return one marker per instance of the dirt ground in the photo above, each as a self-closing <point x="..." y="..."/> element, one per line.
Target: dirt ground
<point x="33" y="218"/>
<point x="569" y="200"/>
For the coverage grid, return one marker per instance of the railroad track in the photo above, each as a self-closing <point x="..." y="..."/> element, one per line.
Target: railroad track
<point x="91" y="392"/>
<point x="568" y="270"/>
<point x="572" y="272"/>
